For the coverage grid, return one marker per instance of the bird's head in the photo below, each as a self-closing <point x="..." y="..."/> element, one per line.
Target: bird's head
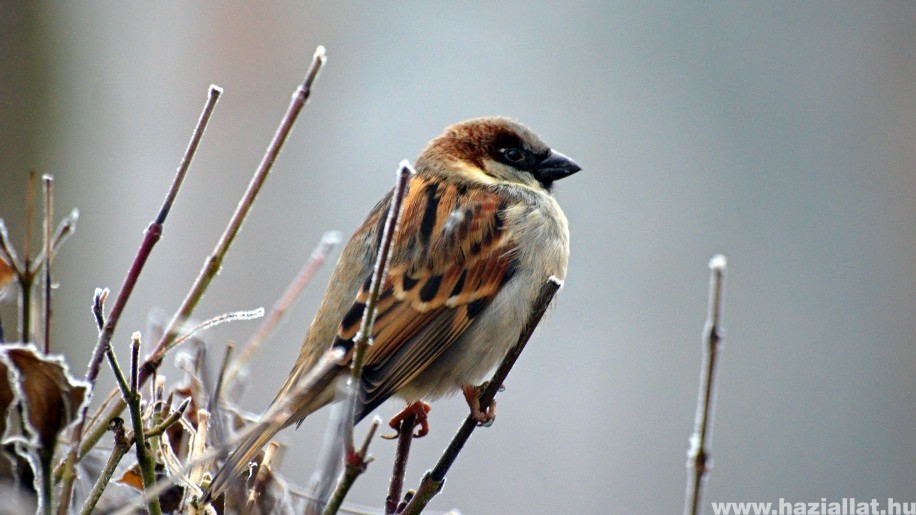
<point x="495" y="150"/>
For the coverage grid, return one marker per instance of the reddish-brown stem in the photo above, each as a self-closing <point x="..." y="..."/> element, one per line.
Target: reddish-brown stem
<point x="396" y="485"/>
<point x="48" y="182"/>
<point x="213" y="262"/>
<point x="103" y="344"/>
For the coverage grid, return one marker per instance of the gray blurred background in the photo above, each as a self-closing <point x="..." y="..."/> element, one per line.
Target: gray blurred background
<point x="780" y="134"/>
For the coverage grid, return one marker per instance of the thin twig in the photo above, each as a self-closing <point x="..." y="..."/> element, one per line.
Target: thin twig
<point x="144" y="458"/>
<point x="355" y="462"/>
<point x="260" y="480"/>
<point x="98" y="307"/>
<point x="213" y="262"/>
<point x="433" y="480"/>
<point x="121" y="445"/>
<point x="65" y="228"/>
<point x="198" y="449"/>
<point x="27" y="277"/>
<point x="405" y="171"/>
<point x="169" y="421"/>
<point x="29" y="212"/>
<point x="9" y="253"/>
<point x="282" y="305"/>
<point x="66" y="469"/>
<point x="354" y="465"/>
<point x="213" y="95"/>
<point x="150" y="238"/>
<point x="48" y="182"/>
<point x="234" y="316"/>
<point x="698" y="458"/>
<point x="396" y="485"/>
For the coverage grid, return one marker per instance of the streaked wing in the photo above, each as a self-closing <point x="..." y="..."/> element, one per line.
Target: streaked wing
<point x="453" y="253"/>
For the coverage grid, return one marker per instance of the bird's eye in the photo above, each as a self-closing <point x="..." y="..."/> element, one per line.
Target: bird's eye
<point x="513" y="155"/>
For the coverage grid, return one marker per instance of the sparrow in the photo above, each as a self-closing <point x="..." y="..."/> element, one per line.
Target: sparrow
<point x="479" y="233"/>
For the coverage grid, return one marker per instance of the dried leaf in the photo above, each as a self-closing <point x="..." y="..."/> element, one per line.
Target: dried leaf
<point x="50" y="397"/>
<point x="132" y="478"/>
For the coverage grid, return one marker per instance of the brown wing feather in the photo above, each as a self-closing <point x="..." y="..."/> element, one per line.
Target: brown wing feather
<point x="453" y="254"/>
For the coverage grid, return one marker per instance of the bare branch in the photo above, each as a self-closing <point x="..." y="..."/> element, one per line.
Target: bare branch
<point x="354" y="465"/>
<point x="121" y="445"/>
<point x="144" y="458"/>
<point x="396" y="485"/>
<point x="150" y="238"/>
<point x="260" y="480"/>
<point x="698" y="454"/>
<point x="48" y="182"/>
<point x="213" y="263"/>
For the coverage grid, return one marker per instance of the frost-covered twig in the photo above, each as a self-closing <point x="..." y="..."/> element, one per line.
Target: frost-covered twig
<point x="144" y="457"/>
<point x="698" y="454"/>
<point x="150" y="238"/>
<point x="121" y="445"/>
<point x="213" y="262"/>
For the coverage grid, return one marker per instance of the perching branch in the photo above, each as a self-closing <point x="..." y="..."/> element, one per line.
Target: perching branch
<point x="396" y="485"/>
<point x="698" y="454"/>
<point x="355" y="461"/>
<point x="433" y="480"/>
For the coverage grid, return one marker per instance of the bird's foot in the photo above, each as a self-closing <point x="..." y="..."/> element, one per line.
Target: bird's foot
<point x="417" y="411"/>
<point x="472" y="395"/>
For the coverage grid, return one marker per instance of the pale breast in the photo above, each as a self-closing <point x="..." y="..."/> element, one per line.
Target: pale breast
<point x="541" y="230"/>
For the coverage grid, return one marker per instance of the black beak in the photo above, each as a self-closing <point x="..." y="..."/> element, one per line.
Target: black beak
<point x="554" y="167"/>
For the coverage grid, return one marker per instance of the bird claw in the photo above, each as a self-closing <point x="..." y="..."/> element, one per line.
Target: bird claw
<point x="472" y="396"/>
<point x="419" y="410"/>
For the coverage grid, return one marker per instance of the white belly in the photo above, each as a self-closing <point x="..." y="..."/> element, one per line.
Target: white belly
<point x="543" y="251"/>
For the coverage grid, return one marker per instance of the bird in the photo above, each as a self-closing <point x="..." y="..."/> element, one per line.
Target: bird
<point x="479" y="233"/>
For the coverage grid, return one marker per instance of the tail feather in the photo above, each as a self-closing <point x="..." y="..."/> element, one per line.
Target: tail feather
<point x="311" y="393"/>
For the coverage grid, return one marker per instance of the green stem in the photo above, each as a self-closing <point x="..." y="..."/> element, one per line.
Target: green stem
<point x="121" y="445"/>
<point x="144" y="456"/>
